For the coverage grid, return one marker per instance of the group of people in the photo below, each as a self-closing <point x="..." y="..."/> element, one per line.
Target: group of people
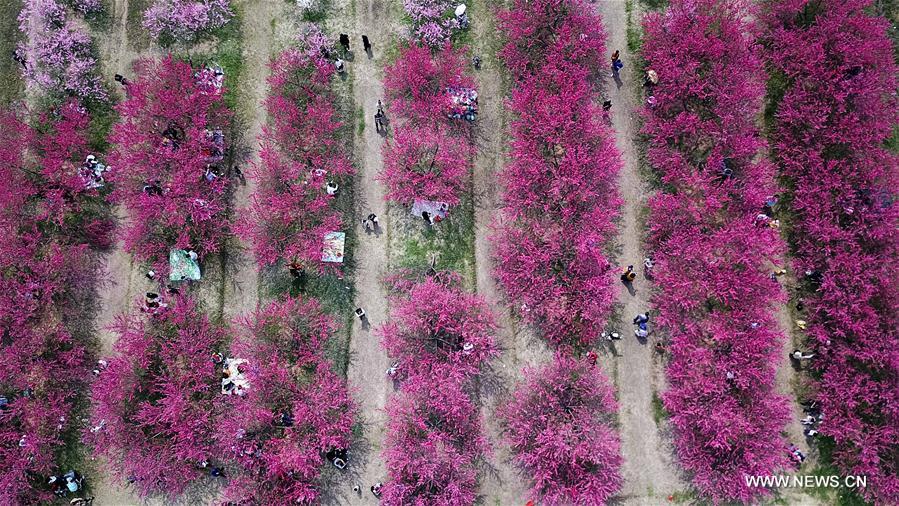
<point x="339" y="64"/>
<point x="70" y="482"/>
<point x="91" y="172"/>
<point x="234" y="381"/>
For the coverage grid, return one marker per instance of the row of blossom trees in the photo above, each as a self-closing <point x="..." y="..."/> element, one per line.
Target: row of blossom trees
<point x="838" y="108"/>
<point x="162" y="419"/>
<point x="160" y="411"/>
<point x="57" y="53"/>
<point x="559" y="204"/>
<point x="442" y="338"/>
<point x="166" y="164"/>
<point x="301" y="155"/>
<point x="712" y="248"/>
<point x="50" y="219"/>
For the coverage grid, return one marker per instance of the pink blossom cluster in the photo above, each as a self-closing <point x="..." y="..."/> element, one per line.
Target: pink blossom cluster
<point x="165" y="163"/>
<point x="44" y="264"/>
<point x="559" y="204"/>
<point x="838" y="109"/>
<point x="559" y="199"/>
<point x="163" y="420"/>
<point x="185" y="20"/>
<point x="430" y="155"/>
<point x="155" y="407"/>
<point x="57" y="51"/>
<point x="433" y="21"/>
<point x="712" y="245"/>
<point x="297" y="408"/>
<point x="441" y="338"/>
<point x="559" y="425"/>
<point x="301" y="155"/>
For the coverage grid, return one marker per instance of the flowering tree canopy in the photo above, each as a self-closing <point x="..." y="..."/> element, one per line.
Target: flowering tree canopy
<point x="58" y="51"/>
<point x="434" y="441"/>
<point x="559" y="201"/>
<point x="839" y="106"/>
<point x="430" y="155"/>
<point x="296" y="410"/>
<point x="436" y="322"/>
<point x="710" y="249"/>
<point x="301" y="154"/>
<point x="167" y="148"/>
<point x="559" y="425"/>
<point x="185" y="20"/>
<point x="156" y="405"/>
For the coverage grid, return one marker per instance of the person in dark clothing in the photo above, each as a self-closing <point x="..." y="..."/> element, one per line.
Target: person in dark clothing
<point x="17" y="56"/>
<point x="345" y="42"/>
<point x="366" y="45"/>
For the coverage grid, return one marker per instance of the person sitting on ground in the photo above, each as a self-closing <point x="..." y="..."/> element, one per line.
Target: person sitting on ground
<point x="808" y="420"/>
<point x="610" y="336"/>
<point x="339" y="66"/>
<point x="641" y="318"/>
<point x="376" y="489"/>
<point x="798" y="355"/>
<point x="641" y="332"/>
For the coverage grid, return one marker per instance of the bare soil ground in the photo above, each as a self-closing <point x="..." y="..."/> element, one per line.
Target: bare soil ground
<point x="649" y="470"/>
<point x="368" y="361"/>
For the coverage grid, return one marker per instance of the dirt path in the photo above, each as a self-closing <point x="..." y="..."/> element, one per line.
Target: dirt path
<point x="241" y="291"/>
<point x="649" y="472"/>
<point x="368" y="361"/>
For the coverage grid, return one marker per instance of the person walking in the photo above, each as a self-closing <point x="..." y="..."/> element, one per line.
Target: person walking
<point x="345" y="42"/>
<point x="629" y="275"/>
<point x="366" y="45"/>
<point x="379" y="121"/>
<point x="616" y="63"/>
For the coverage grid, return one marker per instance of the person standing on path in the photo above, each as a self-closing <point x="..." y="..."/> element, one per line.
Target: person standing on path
<point x="366" y="45"/>
<point x="345" y="42"/>
<point x="616" y="63"/>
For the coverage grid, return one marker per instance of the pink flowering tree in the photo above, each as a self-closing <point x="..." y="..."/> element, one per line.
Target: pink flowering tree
<point x="185" y="20"/>
<point x="711" y="250"/>
<point x="426" y="164"/>
<point x="436" y="322"/>
<point x="433" y="21"/>
<point x="430" y="155"/>
<point x="170" y="138"/>
<point x="155" y="407"/>
<point x="42" y="366"/>
<point x="559" y="426"/>
<point x="416" y="84"/>
<point x="301" y="154"/>
<point x="296" y="410"/>
<point x="434" y="442"/>
<point x="58" y="52"/>
<point x="74" y="207"/>
<point x="559" y="198"/>
<point x="838" y="108"/>
<point x="553" y="37"/>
